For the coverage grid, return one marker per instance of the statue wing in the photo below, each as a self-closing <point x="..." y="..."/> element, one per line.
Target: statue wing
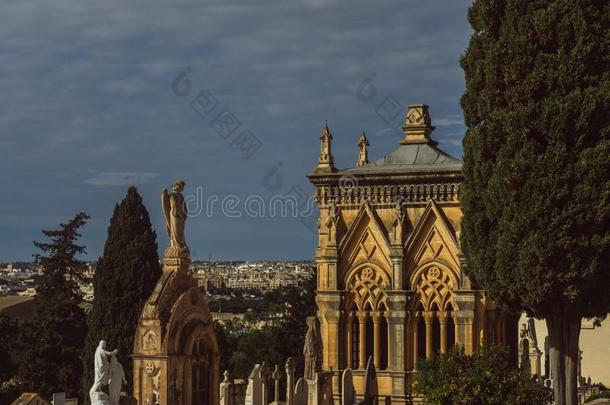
<point x="166" y="209"/>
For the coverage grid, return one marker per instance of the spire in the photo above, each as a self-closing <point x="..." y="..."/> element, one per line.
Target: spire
<point x="363" y="155"/>
<point x="417" y="125"/>
<point x="325" y="162"/>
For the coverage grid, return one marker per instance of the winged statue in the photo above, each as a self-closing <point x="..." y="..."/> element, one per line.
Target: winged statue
<point x="174" y="209"/>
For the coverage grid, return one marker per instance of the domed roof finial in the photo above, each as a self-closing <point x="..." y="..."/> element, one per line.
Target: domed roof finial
<point x="417" y="125"/>
<point x="363" y="155"/>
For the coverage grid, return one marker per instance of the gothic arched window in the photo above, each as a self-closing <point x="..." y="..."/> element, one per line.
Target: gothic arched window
<point x="201" y="365"/>
<point x="367" y="326"/>
<point x="434" y="325"/>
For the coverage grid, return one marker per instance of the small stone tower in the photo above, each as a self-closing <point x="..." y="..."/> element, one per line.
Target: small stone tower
<point x="175" y="355"/>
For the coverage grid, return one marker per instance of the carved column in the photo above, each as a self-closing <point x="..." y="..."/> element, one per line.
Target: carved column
<point x="442" y="317"/>
<point x="350" y="339"/>
<point x="397" y="317"/>
<point x="329" y="308"/>
<point x="428" y="318"/>
<point x="388" y="343"/>
<point x="362" y="331"/>
<point x="465" y="301"/>
<point x="415" y="326"/>
<point x="376" y="338"/>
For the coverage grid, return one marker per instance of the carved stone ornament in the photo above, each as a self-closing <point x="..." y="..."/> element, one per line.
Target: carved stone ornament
<point x="417" y="115"/>
<point x="368" y="273"/>
<point x="150" y="341"/>
<point x="151" y="368"/>
<point x="434" y="272"/>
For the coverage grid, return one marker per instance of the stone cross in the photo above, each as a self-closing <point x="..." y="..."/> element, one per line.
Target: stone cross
<point x="225" y="389"/>
<point x="265" y="383"/>
<point x="276" y="377"/>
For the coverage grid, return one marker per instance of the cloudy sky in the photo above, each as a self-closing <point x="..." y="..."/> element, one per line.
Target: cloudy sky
<point x="229" y="96"/>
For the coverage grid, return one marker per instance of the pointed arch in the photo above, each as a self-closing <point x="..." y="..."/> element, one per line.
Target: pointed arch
<point x="432" y="240"/>
<point x="366" y="285"/>
<point x="434" y="285"/>
<point x="364" y="242"/>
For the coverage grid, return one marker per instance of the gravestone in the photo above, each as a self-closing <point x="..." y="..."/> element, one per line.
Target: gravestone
<point x="254" y="392"/>
<point x="300" y="392"/>
<point x="347" y="386"/>
<point x="370" y="383"/>
<point x="59" y="398"/>
<point x="319" y="389"/>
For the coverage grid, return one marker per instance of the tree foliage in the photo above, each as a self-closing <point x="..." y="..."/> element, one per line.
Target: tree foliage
<point x="485" y="378"/>
<point x="536" y="204"/>
<point x="10" y="353"/>
<point x="8" y="333"/>
<point x="50" y="361"/>
<point x="280" y="337"/>
<point x="124" y="278"/>
<point x="536" y="227"/>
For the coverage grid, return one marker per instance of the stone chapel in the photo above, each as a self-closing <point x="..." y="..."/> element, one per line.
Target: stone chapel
<point x="390" y="282"/>
<point x="175" y="355"/>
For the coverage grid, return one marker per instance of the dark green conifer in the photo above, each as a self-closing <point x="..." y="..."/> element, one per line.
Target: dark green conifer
<point x="124" y="279"/>
<point x="50" y="361"/>
<point x="536" y="226"/>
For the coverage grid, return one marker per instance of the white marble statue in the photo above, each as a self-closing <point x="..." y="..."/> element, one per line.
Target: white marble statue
<point x="116" y="381"/>
<point x="101" y="367"/>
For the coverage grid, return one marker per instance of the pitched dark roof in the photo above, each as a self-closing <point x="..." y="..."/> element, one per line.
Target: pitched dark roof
<point x="421" y="157"/>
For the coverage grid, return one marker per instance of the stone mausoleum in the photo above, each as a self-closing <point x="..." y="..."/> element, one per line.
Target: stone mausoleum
<point x="391" y="284"/>
<point x="175" y="355"/>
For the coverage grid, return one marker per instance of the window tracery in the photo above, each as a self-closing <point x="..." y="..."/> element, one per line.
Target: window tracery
<point x="434" y="311"/>
<point x="367" y="333"/>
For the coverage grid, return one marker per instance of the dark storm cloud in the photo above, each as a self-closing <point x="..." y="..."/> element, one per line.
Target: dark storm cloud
<point x="87" y="105"/>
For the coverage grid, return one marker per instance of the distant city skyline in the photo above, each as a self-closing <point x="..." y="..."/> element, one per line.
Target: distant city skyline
<point x="96" y="103"/>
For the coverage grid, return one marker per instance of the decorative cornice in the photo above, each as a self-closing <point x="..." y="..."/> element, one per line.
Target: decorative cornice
<point x="388" y="194"/>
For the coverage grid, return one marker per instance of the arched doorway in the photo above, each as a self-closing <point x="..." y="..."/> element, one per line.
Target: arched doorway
<point x="201" y="374"/>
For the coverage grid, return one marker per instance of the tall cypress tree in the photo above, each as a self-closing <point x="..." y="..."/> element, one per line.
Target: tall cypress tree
<point x="536" y="226"/>
<point x="124" y="279"/>
<point x="51" y="360"/>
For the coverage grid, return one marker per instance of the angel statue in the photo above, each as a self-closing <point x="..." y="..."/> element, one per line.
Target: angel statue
<point x="175" y="212"/>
